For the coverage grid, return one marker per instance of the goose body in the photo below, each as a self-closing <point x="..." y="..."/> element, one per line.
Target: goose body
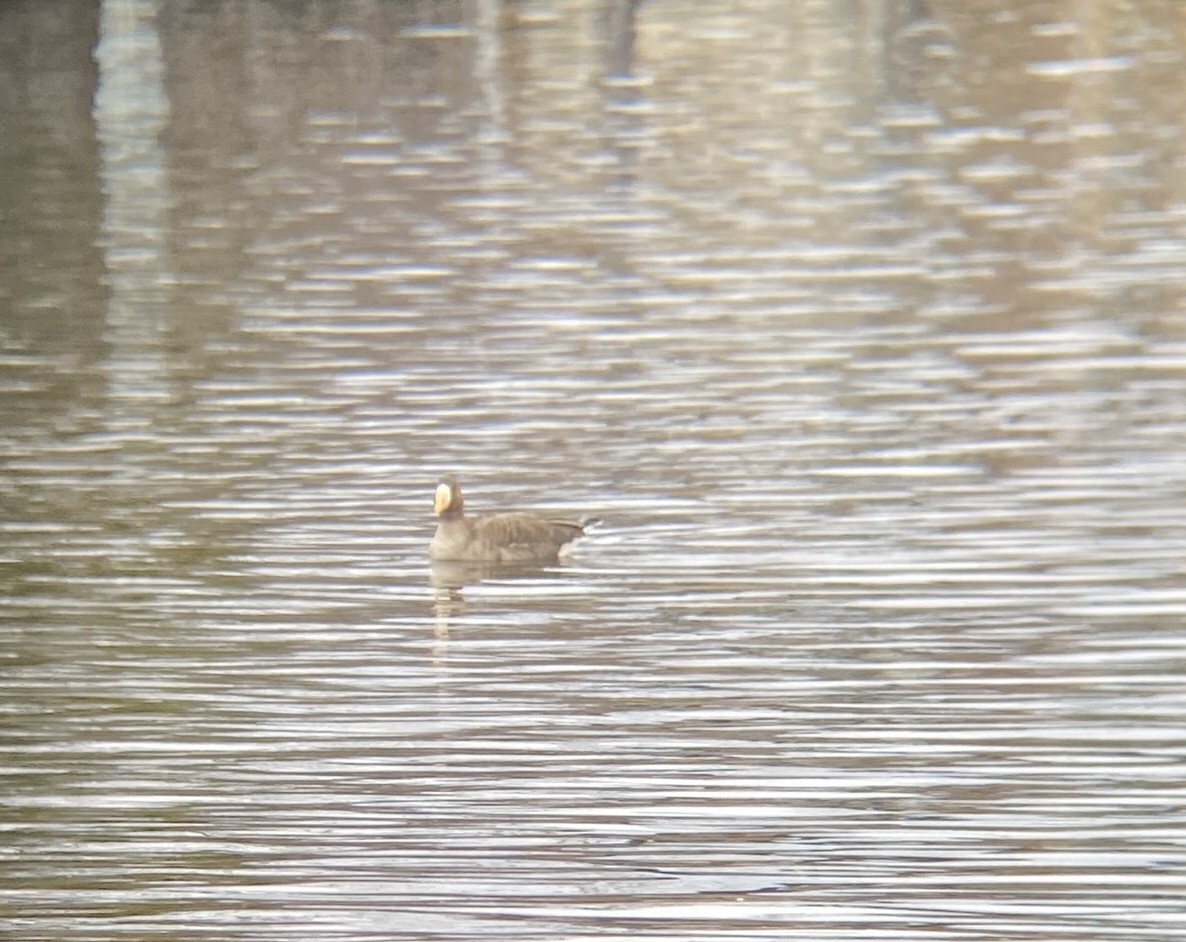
<point x="516" y="537"/>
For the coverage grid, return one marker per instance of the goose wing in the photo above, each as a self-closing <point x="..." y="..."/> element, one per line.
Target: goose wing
<point x="522" y="529"/>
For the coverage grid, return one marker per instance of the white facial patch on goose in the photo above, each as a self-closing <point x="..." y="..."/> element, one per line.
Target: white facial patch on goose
<point x="444" y="498"/>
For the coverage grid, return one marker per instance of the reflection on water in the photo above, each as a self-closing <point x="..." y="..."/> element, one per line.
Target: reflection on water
<point x="862" y="331"/>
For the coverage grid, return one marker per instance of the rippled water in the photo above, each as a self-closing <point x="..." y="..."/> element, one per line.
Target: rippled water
<point x="862" y="332"/>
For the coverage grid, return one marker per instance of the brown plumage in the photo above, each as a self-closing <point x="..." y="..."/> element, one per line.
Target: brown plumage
<point x="497" y="538"/>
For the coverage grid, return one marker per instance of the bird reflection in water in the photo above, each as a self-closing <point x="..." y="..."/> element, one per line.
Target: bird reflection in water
<point x="449" y="581"/>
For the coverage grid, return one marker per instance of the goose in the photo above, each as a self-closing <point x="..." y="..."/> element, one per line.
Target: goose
<point x="514" y="537"/>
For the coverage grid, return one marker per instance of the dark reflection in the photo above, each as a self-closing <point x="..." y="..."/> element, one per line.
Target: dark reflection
<point x="625" y="132"/>
<point x="52" y="291"/>
<point x="917" y="49"/>
<point x="620" y="35"/>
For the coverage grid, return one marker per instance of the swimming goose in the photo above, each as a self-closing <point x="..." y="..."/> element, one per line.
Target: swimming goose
<point x="496" y="538"/>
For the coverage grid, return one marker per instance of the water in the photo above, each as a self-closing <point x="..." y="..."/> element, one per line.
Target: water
<point x="862" y="332"/>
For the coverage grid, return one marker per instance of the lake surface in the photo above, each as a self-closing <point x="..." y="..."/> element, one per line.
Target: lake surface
<point x="861" y="328"/>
